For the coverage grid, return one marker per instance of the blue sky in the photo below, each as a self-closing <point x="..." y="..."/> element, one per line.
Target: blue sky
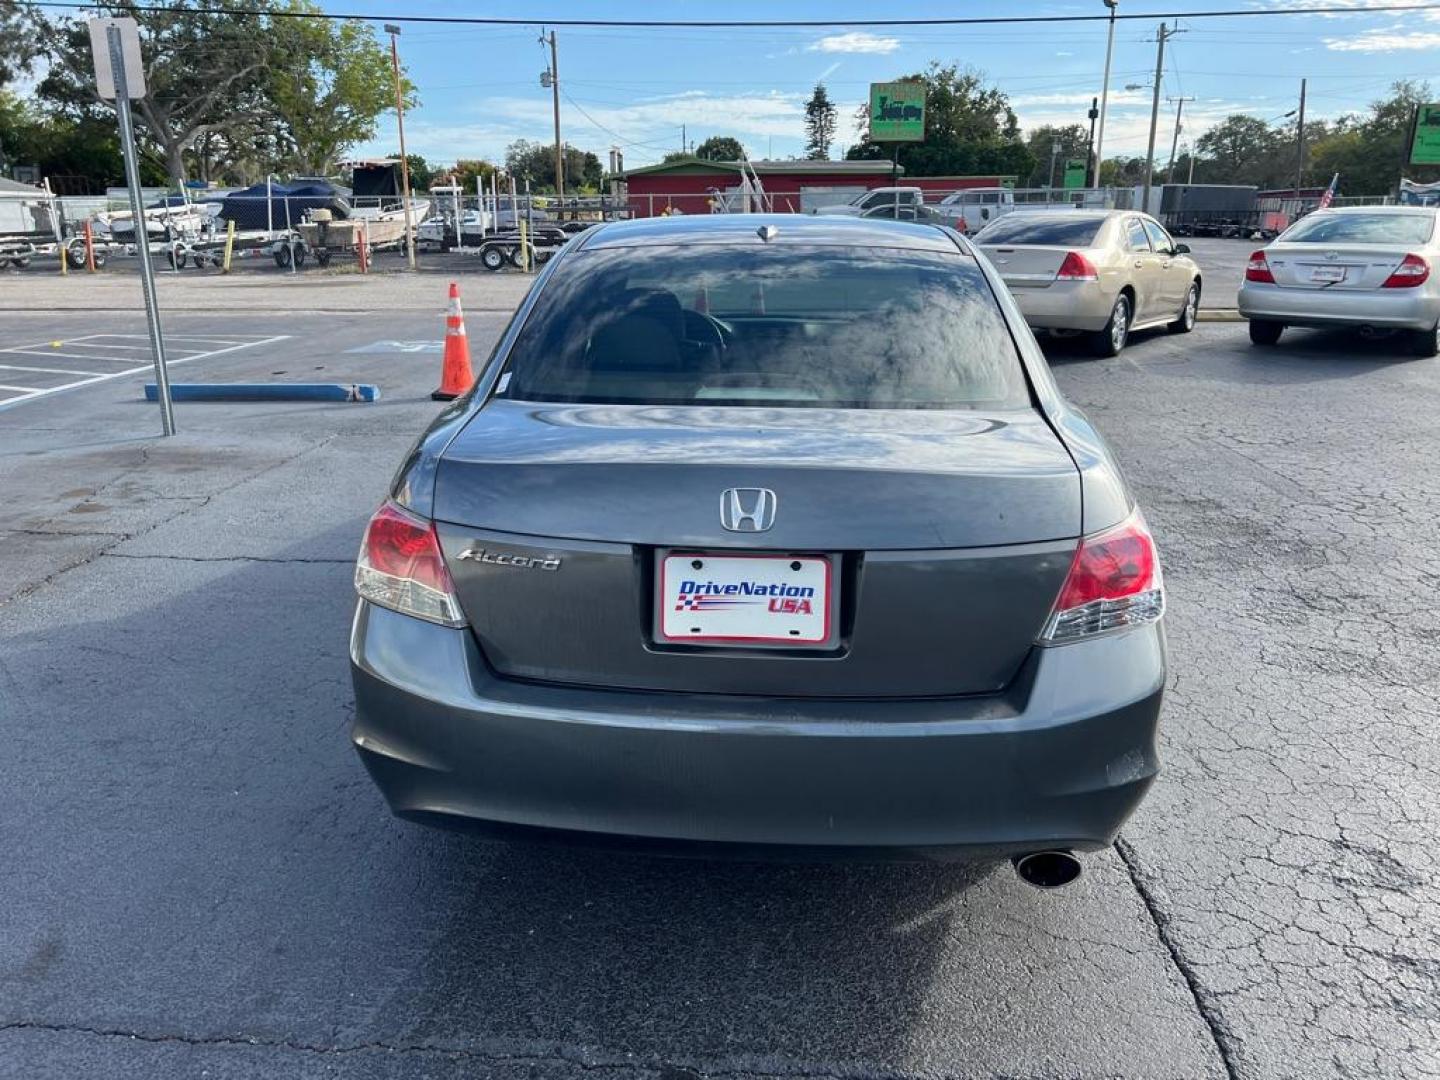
<point x="480" y="86"/>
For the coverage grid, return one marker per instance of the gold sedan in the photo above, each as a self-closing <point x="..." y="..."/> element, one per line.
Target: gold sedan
<point x="1104" y="273"/>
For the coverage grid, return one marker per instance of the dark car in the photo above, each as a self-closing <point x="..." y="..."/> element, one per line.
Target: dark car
<point x="766" y="531"/>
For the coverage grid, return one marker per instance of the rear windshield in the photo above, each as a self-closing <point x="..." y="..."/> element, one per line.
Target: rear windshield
<point x="864" y="328"/>
<point x="1361" y="229"/>
<point x="1017" y="228"/>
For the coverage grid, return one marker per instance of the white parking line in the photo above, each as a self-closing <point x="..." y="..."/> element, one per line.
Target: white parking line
<point x="31" y="393"/>
<point x="46" y="370"/>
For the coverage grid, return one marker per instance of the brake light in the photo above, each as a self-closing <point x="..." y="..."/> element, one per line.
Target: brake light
<point x="1076" y="267"/>
<point x="1114" y="583"/>
<point x="1412" y="271"/>
<point x="401" y="568"/>
<point x="1257" y="269"/>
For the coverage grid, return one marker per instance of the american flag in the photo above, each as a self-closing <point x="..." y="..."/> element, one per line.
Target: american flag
<point x="1329" y="196"/>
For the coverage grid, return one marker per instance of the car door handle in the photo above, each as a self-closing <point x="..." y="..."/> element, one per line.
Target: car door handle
<point x="1165" y="265"/>
<point x="1139" y="263"/>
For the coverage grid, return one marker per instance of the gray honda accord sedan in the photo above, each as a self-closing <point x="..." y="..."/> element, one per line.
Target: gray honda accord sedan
<point x="769" y="531"/>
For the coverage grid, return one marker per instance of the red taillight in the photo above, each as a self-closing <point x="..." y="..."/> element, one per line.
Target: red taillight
<point x="1114" y="582"/>
<point x="1076" y="267"/>
<point x="401" y="567"/>
<point x="1257" y="269"/>
<point x="1412" y="271"/>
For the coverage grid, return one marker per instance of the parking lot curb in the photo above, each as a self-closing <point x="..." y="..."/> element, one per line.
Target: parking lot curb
<point x="268" y="392"/>
<point x="1218" y="315"/>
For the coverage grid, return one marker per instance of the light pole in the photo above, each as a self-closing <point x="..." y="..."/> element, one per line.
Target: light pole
<point x="1105" y="91"/>
<point x="394" y="32"/>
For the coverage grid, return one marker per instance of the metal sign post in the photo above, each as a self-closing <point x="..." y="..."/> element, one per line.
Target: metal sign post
<point x="116" y="43"/>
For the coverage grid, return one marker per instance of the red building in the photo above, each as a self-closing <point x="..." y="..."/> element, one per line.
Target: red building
<point x="696" y="186"/>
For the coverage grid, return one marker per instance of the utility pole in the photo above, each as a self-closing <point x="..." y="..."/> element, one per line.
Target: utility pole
<point x="1300" y="131"/>
<point x="1162" y="35"/>
<point x="1105" y="91"/>
<point x="1175" y="142"/>
<point x="1054" y="153"/>
<point x="684" y="149"/>
<point x="555" y="97"/>
<point x="394" y="32"/>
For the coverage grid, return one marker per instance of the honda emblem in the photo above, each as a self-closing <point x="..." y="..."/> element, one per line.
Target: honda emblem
<point x="747" y="509"/>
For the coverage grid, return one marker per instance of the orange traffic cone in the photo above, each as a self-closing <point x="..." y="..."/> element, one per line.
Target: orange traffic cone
<point x="455" y="376"/>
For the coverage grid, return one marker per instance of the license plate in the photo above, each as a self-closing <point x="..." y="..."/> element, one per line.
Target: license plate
<point x="1327" y="273"/>
<point x="746" y="599"/>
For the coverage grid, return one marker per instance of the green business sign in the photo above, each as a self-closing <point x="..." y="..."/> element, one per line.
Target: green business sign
<point x="1076" y="172"/>
<point x="1425" y="144"/>
<point x="897" y="112"/>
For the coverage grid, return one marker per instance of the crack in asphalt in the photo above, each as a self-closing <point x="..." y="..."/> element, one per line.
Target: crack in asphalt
<point x="193" y="503"/>
<point x="1219" y="1030"/>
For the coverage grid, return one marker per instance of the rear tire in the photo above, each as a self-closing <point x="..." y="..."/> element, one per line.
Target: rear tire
<point x="1109" y="341"/>
<point x="1265" y="331"/>
<point x="1188" y="314"/>
<point x="493" y="259"/>
<point x="1425" y="343"/>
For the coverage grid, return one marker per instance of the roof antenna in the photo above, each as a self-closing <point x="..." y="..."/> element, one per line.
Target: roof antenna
<point x="767" y="232"/>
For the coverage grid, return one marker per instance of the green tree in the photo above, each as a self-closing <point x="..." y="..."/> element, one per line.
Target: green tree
<point x="1240" y="149"/>
<point x="970" y="129"/>
<point x="204" y="72"/>
<point x="19" y="29"/>
<point x="421" y="172"/>
<point x="80" y="157"/>
<point x="535" y="162"/>
<point x="326" y="84"/>
<point x="819" y="124"/>
<point x="1074" y="140"/>
<point x="1367" y="149"/>
<point x="720" y="148"/>
<point x="468" y="171"/>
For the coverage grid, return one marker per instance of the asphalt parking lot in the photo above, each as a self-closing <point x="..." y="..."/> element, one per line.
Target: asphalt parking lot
<point x="201" y="881"/>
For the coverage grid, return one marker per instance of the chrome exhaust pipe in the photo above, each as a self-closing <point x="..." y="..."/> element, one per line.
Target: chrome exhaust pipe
<point x="1047" y="869"/>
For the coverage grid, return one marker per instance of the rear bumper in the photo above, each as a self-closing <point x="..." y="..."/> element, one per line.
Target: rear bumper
<point x="1061" y="760"/>
<point x="1393" y="309"/>
<point x="1065" y="305"/>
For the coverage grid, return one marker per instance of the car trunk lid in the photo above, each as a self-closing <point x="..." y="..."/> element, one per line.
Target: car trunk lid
<point x="951" y="533"/>
<point x="1338" y="267"/>
<point x="1028" y="266"/>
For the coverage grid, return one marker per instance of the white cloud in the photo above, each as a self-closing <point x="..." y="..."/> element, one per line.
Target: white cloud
<point x="1064" y="54"/>
<point x="854" y="42"/>
<point x="753" y="118"/>
<point x="1379" y="42"/>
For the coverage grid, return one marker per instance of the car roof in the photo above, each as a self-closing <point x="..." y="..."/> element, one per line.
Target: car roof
<point x="1428" y="210"/>
<point x="738" y="229"/>
<point x="1020" y="214"/>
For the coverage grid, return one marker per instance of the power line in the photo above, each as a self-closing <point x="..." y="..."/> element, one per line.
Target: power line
<point x="613" y="134"/>
<point x="978" y="20"/>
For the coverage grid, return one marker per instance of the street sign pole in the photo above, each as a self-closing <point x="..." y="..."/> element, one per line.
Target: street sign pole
<point x="142" y="235"/>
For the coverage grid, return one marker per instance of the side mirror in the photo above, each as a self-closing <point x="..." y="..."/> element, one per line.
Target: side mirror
<point x="1182" y="249"/>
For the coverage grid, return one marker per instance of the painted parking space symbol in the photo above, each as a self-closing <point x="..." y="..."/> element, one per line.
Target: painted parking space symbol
<point x="399" y="347"/>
